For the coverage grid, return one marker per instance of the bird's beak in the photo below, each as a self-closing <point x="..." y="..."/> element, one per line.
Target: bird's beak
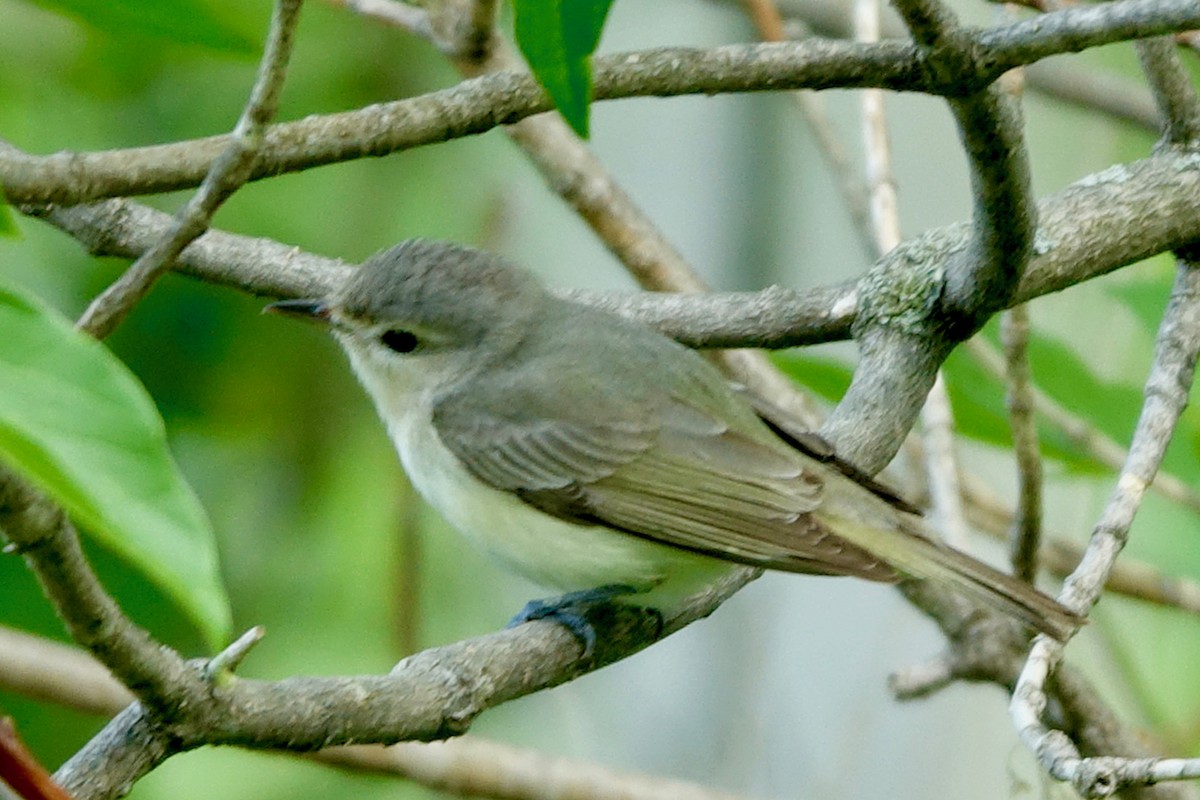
<point x="307" y="309"/>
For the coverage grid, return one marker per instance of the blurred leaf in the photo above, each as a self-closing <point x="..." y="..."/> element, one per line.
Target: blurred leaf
<point x="1111" y="406"/>
<point x="558" y="39"/>
<point x="828" y="378"/>
<point x="80" y="426"/>
<point x="184" y="21"/>
<point x="978" y="401"/>
<point x="1146" y="296"/>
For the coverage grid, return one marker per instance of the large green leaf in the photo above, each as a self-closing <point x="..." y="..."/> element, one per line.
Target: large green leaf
<point x="186" y="21"/>
<point x="78" y="424"/>
<point x="980" y="412"/>
<point x="558" y="38"/>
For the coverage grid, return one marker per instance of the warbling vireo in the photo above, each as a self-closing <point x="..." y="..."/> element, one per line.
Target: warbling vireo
<point x="588" y="452"/>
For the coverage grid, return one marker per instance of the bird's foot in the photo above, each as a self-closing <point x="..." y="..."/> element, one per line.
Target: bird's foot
<point x="572" y="610"/>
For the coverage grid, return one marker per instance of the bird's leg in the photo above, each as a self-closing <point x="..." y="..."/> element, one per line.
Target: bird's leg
<point x="572" y="609"/>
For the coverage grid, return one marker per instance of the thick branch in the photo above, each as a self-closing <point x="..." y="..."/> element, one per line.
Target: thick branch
<point x="434" y="694"/>
<point x="1154" y="202"/>
<point x="1004" y="211"/>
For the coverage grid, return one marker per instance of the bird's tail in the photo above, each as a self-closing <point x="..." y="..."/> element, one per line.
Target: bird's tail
<point x="915" y="555"/>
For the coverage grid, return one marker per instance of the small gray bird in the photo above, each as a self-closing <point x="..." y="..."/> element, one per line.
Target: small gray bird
<point x="601" y="459"/>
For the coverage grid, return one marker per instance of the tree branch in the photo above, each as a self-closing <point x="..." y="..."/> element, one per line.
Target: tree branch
<point x="1154" y="201"/>
<point x="1111" y="94"/>
<point x="40" y="531"/>
<point x="1167" y="389"/>
<point x="480" y="104"/>
<point x="58" y="673"/>
<point x="1173" y="91"/>
<point x="1025" y="539"/>
<point x="226" y="175"/>
<point x="433" y="694"/>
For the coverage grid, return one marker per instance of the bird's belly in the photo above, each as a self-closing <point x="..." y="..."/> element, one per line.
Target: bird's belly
<point x="549" y="551"/>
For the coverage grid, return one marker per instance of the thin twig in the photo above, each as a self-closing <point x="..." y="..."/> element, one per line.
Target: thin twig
<point x="226" y="175"/>
<point x="474" y="767"/>
<point x="1025" y="538"/>
<point x="1167" y="388"/>
<point x="941" y="467"/>
<point x="228" y="660"/>
<point x="881" y="181"/>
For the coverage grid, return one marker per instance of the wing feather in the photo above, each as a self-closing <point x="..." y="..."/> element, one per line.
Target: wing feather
<point x="678" y="472"/>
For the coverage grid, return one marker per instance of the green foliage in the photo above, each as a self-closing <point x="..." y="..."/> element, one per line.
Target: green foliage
<point x="558" y="39"/>
<point x="269" y="425"/>
<point x="828" y="378"/>
<point x="184" y="21"/>
<point x="7" y="226"/>
<point x="978" y="400"/>
<point x="78" y="424"/>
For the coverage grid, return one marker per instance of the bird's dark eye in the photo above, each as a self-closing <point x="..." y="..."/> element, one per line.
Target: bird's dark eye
<point x="399" y="341"/>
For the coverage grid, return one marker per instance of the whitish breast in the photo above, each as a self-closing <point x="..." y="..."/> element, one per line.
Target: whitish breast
<point x="552" y="552"/>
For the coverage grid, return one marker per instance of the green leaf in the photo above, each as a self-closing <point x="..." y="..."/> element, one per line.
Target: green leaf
<point x="828" y="378"/>
<point x="78" y="424"/>
<point x="185" y="21"/>
<point x="977" y="399"/>
<point x="558" y="38"/>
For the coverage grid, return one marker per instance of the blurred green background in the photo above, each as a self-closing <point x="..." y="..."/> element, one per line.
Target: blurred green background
<point x="782" y="692"/>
